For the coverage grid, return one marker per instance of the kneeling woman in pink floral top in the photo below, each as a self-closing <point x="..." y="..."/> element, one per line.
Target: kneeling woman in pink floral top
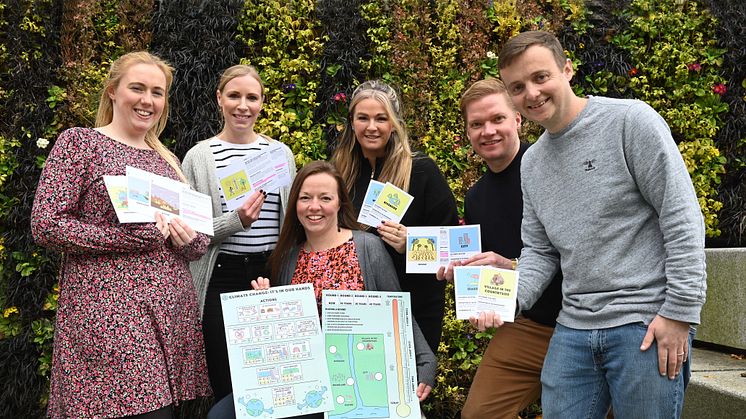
<point x="319" y="244"/>
<point x="128" y="339"/>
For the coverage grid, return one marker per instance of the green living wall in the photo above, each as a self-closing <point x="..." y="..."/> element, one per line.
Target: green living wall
<point x="685" y="58"/>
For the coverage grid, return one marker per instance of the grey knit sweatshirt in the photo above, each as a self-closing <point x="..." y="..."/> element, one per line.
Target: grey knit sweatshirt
<point x="609" y="201"/>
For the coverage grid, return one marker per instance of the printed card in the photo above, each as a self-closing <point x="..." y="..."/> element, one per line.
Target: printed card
<point x="371" y="195"/>
<point x="484" y="288"/>
<point x="429" y="248"/>
<point x="116" y="186"/>
<point x="148" y="193"/>
<point x="267" y="170"/>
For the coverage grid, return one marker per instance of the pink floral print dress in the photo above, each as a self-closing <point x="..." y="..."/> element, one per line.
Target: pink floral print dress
<point x="128" y="338"/>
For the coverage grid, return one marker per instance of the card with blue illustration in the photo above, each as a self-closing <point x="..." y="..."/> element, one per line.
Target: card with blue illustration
<point x="148" y="193"/>
<point x="466" y="288"/>
<point x="365" y="217"/>
<point x="384" y="202"/>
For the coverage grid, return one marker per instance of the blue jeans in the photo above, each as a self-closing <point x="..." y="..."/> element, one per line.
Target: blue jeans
<point x="585" y="371"/>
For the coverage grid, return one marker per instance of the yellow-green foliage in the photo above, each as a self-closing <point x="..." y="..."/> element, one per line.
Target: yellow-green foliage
<point x="677" y="73"/>
<point x="577" y="14"/>
<point x="705" y="165"/>
<point x="43" y="332"/>
<point x="7" y="160"/>
<point x="89" y="39"/>
<point x="504" y="16"/>
<point x="3" y="47"/>
<point x="285" y="42"/>
<point x="10" y="324"/>
<point x="379" y="33"/>
<point x="443" y="117"/>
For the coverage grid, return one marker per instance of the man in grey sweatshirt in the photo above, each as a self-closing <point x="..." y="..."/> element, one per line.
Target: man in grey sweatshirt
<point x="608" y="200"/>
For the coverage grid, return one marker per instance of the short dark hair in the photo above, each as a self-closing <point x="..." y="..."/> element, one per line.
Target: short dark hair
<point x="518" y="44"/>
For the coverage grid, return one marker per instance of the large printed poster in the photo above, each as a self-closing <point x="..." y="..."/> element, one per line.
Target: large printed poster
<point x="370" y="354"/>
<point x="276" y="352"/>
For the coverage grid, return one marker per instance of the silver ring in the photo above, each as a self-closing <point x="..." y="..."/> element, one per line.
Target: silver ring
<point x="680" y="354"/>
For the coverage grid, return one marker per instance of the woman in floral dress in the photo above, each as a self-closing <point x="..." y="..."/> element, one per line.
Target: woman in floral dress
<point x="128" y="337"/>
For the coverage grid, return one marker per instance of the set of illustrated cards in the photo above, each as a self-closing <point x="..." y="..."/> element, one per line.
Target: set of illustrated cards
<point x="140" y="194"/>
<point x="267" y="170"/>
<point x="429" y="248"/>
<point x="383" y="202"/>
<point x="276" y="352"/>
<point x="484" y="288"/>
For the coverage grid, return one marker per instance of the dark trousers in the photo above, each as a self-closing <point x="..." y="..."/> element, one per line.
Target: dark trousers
<point x="225" y="409"/>
<point x="231" y="273"/>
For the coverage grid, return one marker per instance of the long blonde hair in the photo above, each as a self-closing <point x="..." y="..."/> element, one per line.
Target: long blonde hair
<point x="105" y="113"/>
<point x="397" y="167"/>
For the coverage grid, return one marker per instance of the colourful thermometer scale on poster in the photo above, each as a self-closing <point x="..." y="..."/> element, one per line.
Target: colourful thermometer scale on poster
<point x="371" y="362"/>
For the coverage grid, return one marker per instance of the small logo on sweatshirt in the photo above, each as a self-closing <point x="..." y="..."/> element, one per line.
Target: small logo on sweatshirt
<point x="589" y="166"/>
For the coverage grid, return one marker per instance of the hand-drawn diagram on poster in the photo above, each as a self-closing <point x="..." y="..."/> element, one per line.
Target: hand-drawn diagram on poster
<point x="276" y="352"/>
<point x="370" y="354"/>
<point x="429" y="248"/>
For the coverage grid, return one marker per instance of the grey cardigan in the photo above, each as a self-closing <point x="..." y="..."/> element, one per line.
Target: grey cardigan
<point x="378" y="275"/>
<point x="199" y="169"/>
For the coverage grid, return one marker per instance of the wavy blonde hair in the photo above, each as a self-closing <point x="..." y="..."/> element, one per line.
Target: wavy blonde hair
<point x="397" y="167"/>
<point x="105" y="113"/>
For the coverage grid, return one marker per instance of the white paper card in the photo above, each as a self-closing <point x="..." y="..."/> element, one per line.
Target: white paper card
<point x="267" y="170"/>
<point x="116" y="186"/>
<point x="385" y="202"/>
<point x="429" y="248"/>
<point x="365" y="217"/>
<point x="148" y="193"/>
<point x="484" y="288"/>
